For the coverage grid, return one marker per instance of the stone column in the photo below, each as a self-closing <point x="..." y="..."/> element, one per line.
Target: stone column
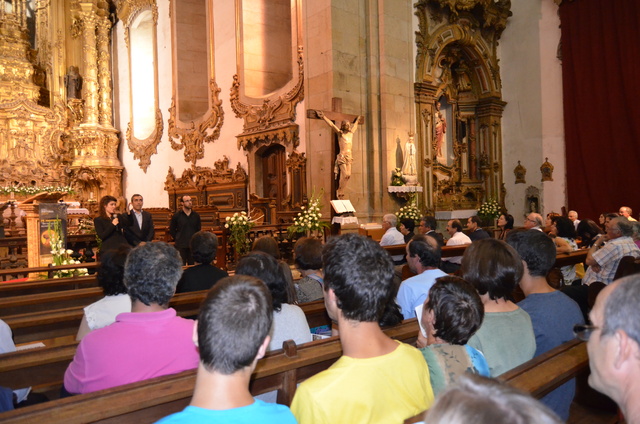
<point x="489" y="117"/>
<point x="104" y="72"/>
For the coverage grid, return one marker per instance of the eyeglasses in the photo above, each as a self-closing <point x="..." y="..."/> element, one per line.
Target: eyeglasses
<point x="583" y="331"/>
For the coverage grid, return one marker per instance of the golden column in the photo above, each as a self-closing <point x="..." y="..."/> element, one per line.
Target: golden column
<point x="96" y="169"/>
<point x="104" y="70"/>
<point x="90" y="55"/>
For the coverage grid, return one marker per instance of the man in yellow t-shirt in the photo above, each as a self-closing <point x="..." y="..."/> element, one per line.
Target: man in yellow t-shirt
<point x="377" y="380"/>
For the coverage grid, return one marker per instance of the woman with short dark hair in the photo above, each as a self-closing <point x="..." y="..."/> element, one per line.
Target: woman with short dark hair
<point x="452" y="313"/>
<point x="506" y="336"/>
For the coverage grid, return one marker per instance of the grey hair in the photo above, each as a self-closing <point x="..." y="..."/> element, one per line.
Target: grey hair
<point x="151" y="273"/>
<point x="623" y="225"/>
<point x="482" y="400"/>
<point x="537" y="217"/>
<point x="636" y="230"/>
<point x="391" y="219"/>
<point x="621" y="308"/>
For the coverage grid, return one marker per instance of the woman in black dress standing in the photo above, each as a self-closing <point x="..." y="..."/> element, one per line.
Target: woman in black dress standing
<point x="109" y="225"/>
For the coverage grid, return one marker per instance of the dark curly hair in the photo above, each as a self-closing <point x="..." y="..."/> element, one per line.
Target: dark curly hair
<point x="360" y="272"/>
<point x="265" y="267"/>
<point x="111" y="271"/>
<point x="151" y="273"/>
<point x="104" y="201"/>
<point x="457" y="309"/>
<point x="565" y="227"/>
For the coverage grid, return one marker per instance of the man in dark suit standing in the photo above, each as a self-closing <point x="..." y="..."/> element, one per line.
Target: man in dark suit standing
<point x="140" y="223"/>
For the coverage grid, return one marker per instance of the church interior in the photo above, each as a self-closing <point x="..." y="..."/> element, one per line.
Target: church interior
<point x="222" y="99"/>
<point x="262" y="106"/>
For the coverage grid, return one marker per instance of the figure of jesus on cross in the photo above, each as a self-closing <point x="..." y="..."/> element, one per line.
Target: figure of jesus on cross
<point x="344" y="158"/>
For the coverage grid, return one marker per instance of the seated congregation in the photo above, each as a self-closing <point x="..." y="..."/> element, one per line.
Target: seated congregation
<point x="469" y="325"/>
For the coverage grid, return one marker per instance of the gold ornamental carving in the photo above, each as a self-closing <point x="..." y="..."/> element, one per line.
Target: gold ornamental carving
<point x="198" y="177"/>
<point x="129" y="9"/>
<point x="271" y="113"/>
<point x="192" y="138"/>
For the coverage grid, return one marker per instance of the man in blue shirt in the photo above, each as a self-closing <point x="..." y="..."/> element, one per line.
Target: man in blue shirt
<point x="423" y="258"/>
<point x="232" y="334"/>
<point x="553" y="314"/>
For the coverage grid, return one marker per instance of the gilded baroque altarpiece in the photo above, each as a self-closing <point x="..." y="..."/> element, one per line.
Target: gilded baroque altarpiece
<point x="56" y="123"/>
<point x="459" y="102"/>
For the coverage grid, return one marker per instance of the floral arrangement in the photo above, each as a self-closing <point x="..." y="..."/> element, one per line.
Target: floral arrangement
<point x="396" y="177"/>
<point x="410" y="211"/>
<point x="31" y="190"/>
<point x="62" y="256"/>
<point x="489" y="209"/>
<point x="309" y="219"/>
<point x="239" y="225"/>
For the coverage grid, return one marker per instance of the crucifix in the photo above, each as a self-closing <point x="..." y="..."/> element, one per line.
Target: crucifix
<point x="349" y="125"/>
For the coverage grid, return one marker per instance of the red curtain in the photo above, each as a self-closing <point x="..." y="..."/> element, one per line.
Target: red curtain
<point x="601" y="84"/>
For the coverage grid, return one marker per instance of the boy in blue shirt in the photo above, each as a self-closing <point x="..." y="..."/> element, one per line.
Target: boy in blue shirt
<point x="232" y="334"/>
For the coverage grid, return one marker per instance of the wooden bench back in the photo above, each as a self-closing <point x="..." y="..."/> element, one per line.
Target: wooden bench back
<point x="149" y="400"/>
<point x="543" y="373"/>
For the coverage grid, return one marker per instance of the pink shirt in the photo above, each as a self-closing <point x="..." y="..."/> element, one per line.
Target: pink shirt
<point x="136" y="347"/>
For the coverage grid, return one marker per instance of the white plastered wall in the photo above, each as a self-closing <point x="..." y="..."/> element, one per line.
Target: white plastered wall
<point x="532" y="124"/>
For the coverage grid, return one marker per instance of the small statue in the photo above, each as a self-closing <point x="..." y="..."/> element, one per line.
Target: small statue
<point x="520" y="172"/>
<point x="547" y="170"/>
<point x="409" y="166"/>
<point x="73" y="83"/>
<point x="441" y="130"/>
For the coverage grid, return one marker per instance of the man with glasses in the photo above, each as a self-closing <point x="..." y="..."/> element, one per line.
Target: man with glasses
<point x="613" y="343"/>
<point x="533" y="221"/>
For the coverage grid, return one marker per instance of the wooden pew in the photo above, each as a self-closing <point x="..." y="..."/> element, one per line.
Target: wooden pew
<point x="545" y="372"/>
<point x="47" y="286"/>
<point x="150" y="400"/>
<point x="45" y="367"/>
<point x="550" y="370"/>
<point x="49" y="301"/>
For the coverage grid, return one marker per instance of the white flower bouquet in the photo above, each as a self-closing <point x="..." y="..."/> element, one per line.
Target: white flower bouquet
<point x="309" y="218"/>
<point x="409" y="211"/>
<point x="489" y="209"/>
<point x="239" y="226"/>
<point x="61" y="255"/>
